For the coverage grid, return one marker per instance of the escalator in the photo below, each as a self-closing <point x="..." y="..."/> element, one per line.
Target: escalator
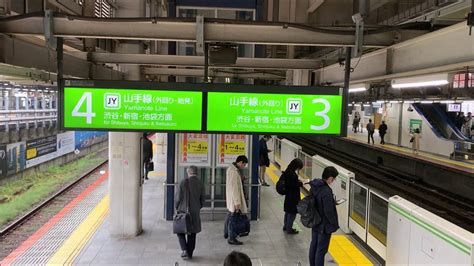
<point x="442" y="125"/>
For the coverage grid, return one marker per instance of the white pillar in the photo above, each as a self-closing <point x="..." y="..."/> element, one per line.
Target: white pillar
<point x="125" y="187"/>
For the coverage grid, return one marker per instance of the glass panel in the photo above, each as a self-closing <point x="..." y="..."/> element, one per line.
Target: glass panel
<point x="192" y="13"/>
<point x="204" y="174"/>
<point x="277" y="148"/>
<point x="308" y="167"/>
<point x="378" y="216"/>
<point x="219" y="195"/>
<point x="232" y="14"/>
<point x="358" y="204"/>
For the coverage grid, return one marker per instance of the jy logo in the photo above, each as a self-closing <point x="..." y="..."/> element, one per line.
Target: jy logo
<point x="294" y="106"/>
<point x="112" y="101"/>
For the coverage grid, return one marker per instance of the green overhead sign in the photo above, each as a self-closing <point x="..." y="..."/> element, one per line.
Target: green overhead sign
<point x="131" y="109"/>
<point x="211" y="108"/>
<point x="274" y="113"/>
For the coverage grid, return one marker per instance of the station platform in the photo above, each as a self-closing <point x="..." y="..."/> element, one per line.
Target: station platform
<point x="79" y="235"/>
<point x="465" y="166"/>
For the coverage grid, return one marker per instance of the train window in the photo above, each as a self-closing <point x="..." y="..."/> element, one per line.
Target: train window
<point x="358" y="204"/>
<point x="378" y="216"/>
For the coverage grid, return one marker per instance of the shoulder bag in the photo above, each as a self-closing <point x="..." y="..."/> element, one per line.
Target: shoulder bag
<point x="182" y="223"/>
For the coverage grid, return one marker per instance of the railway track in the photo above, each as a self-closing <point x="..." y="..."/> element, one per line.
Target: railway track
<point x="391" y="182"/>
<point x="26" y="217"/>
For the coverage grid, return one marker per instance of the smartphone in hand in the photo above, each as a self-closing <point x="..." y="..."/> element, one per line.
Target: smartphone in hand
<point x="340" y="201"/>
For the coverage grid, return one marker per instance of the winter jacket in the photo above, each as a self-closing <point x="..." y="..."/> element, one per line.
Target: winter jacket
<point x="325" y="205"/>
<point x="234" y="190"/>
<point x="196" y="200"/>
<point x="292" y="186"/>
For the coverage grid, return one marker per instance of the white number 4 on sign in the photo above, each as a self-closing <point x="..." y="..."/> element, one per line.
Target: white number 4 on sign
<point x="88" y="114"/>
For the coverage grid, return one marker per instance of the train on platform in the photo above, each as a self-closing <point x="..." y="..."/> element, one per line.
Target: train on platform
<point x="398" y="230"/>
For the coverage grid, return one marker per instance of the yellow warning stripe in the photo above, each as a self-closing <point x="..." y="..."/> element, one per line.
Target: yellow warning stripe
<point x="71" y="248"/>
<point x="341" y="248"/>
<point x="407" y="150"/>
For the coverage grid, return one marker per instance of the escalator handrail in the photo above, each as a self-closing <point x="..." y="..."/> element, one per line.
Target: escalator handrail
<point x="456" y="131"/>
<point x="435" y="130"/>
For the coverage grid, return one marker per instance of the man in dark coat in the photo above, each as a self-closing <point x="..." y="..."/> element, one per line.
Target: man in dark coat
<point x="193" y="188"/>
<point x="292" y="197"/>
<point x="326" y="206"/>
<point x="263" y="161"/>
<point x="147" y="153"/>
<point x="382" y="131"/>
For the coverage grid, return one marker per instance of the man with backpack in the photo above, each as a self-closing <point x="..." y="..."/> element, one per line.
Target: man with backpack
<point x="326" y="208"/>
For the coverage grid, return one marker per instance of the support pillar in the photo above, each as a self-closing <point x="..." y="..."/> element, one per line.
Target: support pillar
<point x="125" y="163"/>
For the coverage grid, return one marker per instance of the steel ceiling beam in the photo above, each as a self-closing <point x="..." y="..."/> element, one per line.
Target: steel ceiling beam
<point x="422" y="55"/>
<point x="153" y="71"/>
<point x="20" y="53"/>
<point x="198" y="61"/>
<point x="172" y="29"/>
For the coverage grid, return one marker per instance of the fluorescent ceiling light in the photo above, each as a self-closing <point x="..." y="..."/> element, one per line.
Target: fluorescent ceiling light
<point x="357" y="87"/>
<point x="421" y="81"/>
<point x="447" y="101"/>
<point x="380" y="101"/>
<point x="426" y="102"/>
<point x="409" y="101"/>
<point x="393" y="102"/>
<point x="366" y="105"/>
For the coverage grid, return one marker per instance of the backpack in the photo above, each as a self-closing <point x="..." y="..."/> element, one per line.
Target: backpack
<point x="280" y="185"/>
<point x="308" y="211"/>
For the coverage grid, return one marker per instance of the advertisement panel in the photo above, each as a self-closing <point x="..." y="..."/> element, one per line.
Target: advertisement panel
<point x="131" y="109"/>
<point x="194" y="149"/>
<point x="83" y="139"/>
<point x="274" y="113"/>
<point x="230" y="146"/>
<point x="16" y="157"/>
<point x="415" y="124"/>
<point x="40" y="150"/>
<point x="65" y="143"/>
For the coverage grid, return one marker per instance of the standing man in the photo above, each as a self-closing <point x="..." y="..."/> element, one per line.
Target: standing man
<point x="326" y="207"/>
<point x="147" y="153"/>
<point x="263" y="160"/>
<point x="370" y="131"/>
<point x="382" y="131"/>
<point x="235" y="198"/>
<point x="190" y="191"/>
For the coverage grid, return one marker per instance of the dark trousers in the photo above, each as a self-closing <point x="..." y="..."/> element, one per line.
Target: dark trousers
<point x="228" y="231"/>
<point x="288" y="221"/>
<point x="145" y="169"/>
<point x="318" y="248"/>
<point x="370" y="136"/>
<point x="189" y="244"/>
<point x="382" y="135"/>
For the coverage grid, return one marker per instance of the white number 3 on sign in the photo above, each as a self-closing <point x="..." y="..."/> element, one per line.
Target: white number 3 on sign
<point x="323" y="114"/>
<point x="88" y="114"/>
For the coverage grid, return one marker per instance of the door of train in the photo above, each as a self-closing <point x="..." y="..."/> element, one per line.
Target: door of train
<point x="212" y="154"/>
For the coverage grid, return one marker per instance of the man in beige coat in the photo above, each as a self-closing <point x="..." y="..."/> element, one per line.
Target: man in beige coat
<point x="235" y="195"/>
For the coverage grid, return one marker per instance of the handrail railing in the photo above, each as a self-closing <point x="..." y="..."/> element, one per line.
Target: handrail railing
<point x="463" y="151"/>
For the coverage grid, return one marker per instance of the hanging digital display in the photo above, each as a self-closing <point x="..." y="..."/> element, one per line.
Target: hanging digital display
<point x="274" y="113"/>
<point x="131" y="109"/>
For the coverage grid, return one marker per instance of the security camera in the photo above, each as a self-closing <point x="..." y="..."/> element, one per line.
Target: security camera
<point x="357" y="18"/>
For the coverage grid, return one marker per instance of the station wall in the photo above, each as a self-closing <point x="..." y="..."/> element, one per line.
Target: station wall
<point x="429" y="141"/>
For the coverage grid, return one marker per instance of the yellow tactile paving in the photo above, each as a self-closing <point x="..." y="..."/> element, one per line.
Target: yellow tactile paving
<point x="341" y="248"/>
<point x="71" y="248"/>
